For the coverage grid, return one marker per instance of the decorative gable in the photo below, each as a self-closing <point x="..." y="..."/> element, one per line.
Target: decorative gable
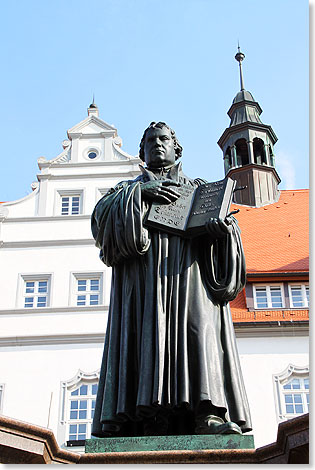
<point x="92" y="126"/>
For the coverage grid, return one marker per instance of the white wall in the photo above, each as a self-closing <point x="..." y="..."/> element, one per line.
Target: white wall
<point x="260" y="359"/>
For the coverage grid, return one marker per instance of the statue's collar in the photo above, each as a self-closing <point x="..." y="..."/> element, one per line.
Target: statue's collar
<point x="170" y="172"/>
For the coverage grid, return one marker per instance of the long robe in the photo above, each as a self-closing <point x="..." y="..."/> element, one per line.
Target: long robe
<point x="170" y="341"/>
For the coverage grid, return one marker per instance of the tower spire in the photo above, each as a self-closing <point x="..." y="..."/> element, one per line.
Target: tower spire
<point x="239" y="57"/>
<point x="93" y="109"/>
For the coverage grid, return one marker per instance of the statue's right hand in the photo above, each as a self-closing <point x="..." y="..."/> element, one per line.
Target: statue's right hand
<point x="160" y="191"/>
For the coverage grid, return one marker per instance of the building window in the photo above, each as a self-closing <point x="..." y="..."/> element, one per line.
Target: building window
<point x="70" y="205"/>
<point x="296" y="396"/>
<point x="81" y="411"/>
<point x="69" y="202"/>
<point x="299" y="295"/>
<point x="78" y="398"/>
<point x="270" y="296"/>
<point x="88" y="291"/>
<point x="36" y="291"/>
<point x="292" y="392"/>
<point x="92" y="153"/>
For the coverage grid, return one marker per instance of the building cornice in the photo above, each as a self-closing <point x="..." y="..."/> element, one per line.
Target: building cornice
<point x="106" y="176"/>
<point x="38" y="340"/>
<point x="271" y="329"/>
<point x="242" y="330"/>
<point x="51" y="218"/>
<point x="88" y="309"/>
<point x="91" y="164"/>
<point x="43" y="243"/>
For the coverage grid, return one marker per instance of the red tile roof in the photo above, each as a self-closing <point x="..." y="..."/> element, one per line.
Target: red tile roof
<point x="275" y="237"/>
<point x="276" y="241"/>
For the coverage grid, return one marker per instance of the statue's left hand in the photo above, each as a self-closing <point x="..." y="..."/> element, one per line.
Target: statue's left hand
<point x="218" y="227"/>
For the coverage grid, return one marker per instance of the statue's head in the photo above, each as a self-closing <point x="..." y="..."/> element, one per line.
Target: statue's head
<point x="159" y="146"/>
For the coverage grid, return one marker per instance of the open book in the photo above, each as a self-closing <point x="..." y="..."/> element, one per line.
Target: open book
<point x="188" y="215"/>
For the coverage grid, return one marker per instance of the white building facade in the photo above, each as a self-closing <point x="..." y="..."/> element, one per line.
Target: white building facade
<point x="55" y="296"/>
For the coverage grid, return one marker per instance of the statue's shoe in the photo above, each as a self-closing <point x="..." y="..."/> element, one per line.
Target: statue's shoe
<point x="219" y="428"/>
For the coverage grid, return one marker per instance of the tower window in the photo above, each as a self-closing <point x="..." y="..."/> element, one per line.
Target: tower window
<point x="241" y="152"/>
<point x="259" y="152"/>
<point x="227" y="160"/>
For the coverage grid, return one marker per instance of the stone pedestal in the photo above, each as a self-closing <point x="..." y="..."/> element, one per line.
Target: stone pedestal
<point x="169" y="443"/>
<point x="24" y="443"/>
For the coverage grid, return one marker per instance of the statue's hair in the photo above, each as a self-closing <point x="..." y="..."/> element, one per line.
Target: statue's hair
<point x="177" y="147"/>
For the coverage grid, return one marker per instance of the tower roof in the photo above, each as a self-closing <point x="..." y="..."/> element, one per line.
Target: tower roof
<point x="243" y="95"/>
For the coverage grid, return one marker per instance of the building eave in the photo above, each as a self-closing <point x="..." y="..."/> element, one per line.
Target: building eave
<point x="243" y="126"/>
<point x="255" y="166"/>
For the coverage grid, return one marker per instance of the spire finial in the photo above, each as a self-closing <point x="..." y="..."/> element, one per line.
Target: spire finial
<point x="93" y="109"/>
<point x="239" y="57"/>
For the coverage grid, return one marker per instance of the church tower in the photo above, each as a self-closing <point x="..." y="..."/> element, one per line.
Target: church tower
<point x="247" y="146"/>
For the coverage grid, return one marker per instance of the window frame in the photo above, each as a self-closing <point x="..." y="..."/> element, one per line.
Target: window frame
<point x="67" y="387"/>
<point x="100" y="192"/>
<point x="279" y="381"/>
<point x="304" y="296"/>
<point x="21" y="293"/>
<point x="69" y="193"/>
<point x="79" y="276"/>
<point x="268" y="294"/>
<point x="87" y="421"/>
<point x="94" y="149"/>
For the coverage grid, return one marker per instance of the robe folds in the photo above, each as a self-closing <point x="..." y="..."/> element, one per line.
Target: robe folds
<point x="170" y="341"/>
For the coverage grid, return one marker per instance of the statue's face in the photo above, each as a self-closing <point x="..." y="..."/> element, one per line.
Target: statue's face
<point x="159" y="148"/>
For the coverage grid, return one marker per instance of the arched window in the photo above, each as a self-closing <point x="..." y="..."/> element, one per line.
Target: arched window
<point x="259" y="152"/>
<point x="227" y="160"/>
<point x="272" y="156"/>
<point x="78" y="397"/>
<point x="292" y="392"/>
<point x="241" y="152"/>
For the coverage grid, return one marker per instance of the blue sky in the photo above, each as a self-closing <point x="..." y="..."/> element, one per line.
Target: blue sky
<point x="171" y="60"/>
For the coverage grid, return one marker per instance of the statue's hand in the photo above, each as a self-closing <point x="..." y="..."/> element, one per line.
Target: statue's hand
<point x="218" y="228"/>
<point x="160" y="191"/>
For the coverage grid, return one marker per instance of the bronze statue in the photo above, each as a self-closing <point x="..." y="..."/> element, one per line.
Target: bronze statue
<point x="170" y="363"/>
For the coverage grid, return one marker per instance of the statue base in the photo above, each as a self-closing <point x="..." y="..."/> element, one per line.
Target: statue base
<point x="169" y="443"/>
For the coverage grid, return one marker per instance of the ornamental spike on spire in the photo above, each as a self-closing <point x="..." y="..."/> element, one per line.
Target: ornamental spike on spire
<point x="239" y="57"/>
<point x="93" y="109"/>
